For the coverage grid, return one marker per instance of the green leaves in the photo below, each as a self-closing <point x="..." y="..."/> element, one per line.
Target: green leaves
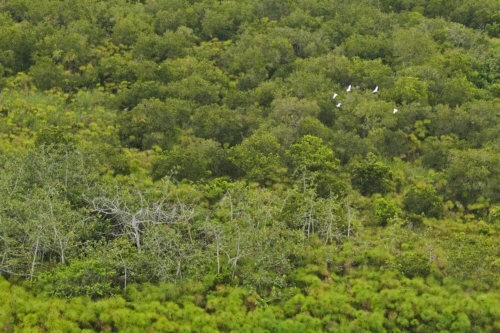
<point x="413" y="46"/>
<point x="150" y="123"/>
<point x="385" y="210"/>
<point x="423" y="199"/>
<point x="311" y="154"/>
<point x="463" y="253"/>
<point x="55" y="137"/>
<point x="413" y="264"/>
<point x="199" y="142"/>
<point x="194" y="159"/>
<point x="81" y="277"/>
<point x="46" y="74"/>
<point x="218" y="123"/>
<point x="472" y="174"/>
<point x="259" y="157"/>
<point x="371" y="177"/>
<point x="313" y="164"/>
<point x="407" y="90"/>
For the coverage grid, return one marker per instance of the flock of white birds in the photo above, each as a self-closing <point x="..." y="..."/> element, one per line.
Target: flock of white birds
<point x="349" y="90"/>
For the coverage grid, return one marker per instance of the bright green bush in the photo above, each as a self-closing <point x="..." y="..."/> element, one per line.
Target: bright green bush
<point x="80" y="277"/>
<point x="385" y="210"/>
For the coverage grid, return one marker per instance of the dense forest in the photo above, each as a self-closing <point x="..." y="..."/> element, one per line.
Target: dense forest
<point x="250" y="166"/>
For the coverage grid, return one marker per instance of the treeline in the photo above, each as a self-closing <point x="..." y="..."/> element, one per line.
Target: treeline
<point x="217" y="142"/>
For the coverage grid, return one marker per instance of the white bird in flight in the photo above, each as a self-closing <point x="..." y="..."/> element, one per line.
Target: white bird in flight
<point x="335" y="95"/>
<point x="394" y="111"/>
<point x="375" y="90"/>
<point x="349" y="88"/>
<point x="339" y="104"/>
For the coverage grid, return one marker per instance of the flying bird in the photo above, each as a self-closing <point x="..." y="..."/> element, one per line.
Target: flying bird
<point x="394" y="111"/>
<point x="375" y="90"/>
<point x="339" y="104"/>
<point x="334" y="95"/>
<point x="349" y="88"/>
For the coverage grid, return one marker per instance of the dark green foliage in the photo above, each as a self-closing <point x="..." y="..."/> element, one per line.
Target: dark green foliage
<point x="193" y="159"/>
<point x="259" y="158"/>
<point x="472" y="174"/>
<point x="220" y="124"/>
<point x="423" y="199"/>
<point x="158" y="48"/>
<point x="348" y="145"/>
<point x="371" y="177"/>
<point x="118" y="162"/>
<point x="46" y="74"/>
<point x="17" y="44"/>
<point x="313" y="164"/>
<point x="150" y="123"/>
<point x="436" y="151"/>
<point x="413" y="264"/>
<point x="139" y="91"/>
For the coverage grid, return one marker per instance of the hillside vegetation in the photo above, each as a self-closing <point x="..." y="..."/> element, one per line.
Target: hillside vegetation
<point x="250" y="166"/>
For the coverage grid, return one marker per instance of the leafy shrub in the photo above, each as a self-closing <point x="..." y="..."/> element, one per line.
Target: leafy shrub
<point x="372" y="177"/>
<point x="385" y="210"/>
<point x="81" y="277"/>
<point x="54" y="136"/>
<point x="413" y="264"/>
<point x="472" y="256"/>
<point x="494" y="216"/>
<point x="423" y="199"/>
<point x="152" y="122"/>
<point x="259" y="158"/>
<point x="193" y="159"/>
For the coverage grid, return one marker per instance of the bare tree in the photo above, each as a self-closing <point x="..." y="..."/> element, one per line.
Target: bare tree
<point x="134" y="222"/>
